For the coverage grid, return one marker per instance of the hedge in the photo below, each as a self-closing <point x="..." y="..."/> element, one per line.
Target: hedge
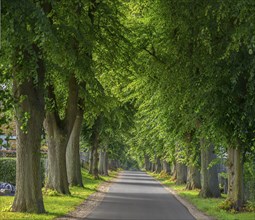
<point x="8" y="170"/>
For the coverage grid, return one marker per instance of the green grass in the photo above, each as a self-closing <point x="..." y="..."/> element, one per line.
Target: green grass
<point x="56" y="205"/>
<point x="208" y="206"/>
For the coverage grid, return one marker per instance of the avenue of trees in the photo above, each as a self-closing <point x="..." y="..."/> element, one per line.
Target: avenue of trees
<point x="169" y="82"/>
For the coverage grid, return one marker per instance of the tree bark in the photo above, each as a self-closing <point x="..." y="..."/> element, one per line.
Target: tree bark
<point x="181" y="171"/>
<point x="58" y="133"/>
<point x="209" y="175"/>
<point x="91" y="153"/>
<point x="174" y="173"/>
<point x="158" y="165"/>
<point x="95" y="145"/>
<point x="57" y="143"/>
<point x="73" y="153"/>
<point x="106" y="163"/>
<point x="101" y="162"/>
<point x="28" y="196"/>
<point x="113" y="165"/>
<point x="147" y="164"/>
<point x="153" y="167"/>
<point x="193" y="178"/>
<point x="235" y="178"/>
<point x="95" y="165"/>
<point x="166" y="167"/>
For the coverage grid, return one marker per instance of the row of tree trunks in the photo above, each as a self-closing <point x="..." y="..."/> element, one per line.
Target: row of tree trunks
<point x="113" y="165"/>
<point x="28" y="196"/>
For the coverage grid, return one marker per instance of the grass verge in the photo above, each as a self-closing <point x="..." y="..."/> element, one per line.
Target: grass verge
<point x="209" y="206"/>
<point x="56" y="205"/>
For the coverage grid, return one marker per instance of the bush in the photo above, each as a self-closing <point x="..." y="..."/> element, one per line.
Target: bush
<point x="8" y="170"/>
<point x="226" y="205"/>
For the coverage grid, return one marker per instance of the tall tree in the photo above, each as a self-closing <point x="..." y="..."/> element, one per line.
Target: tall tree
<point x="24" y="26"/>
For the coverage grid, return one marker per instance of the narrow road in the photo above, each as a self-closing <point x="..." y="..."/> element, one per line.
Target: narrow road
<point x="138" y="196"/>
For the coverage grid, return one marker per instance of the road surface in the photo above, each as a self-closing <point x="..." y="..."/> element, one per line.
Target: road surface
<point x="137" y="196"/>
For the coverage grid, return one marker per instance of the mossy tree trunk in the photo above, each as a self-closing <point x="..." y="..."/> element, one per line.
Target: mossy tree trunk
<point x="29" y="112"/>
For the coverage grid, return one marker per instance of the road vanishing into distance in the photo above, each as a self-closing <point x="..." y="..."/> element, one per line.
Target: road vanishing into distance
<point x="137" y="196"/>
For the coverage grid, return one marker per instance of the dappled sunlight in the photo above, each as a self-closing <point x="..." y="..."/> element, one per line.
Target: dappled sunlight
<point x="56" y="204"/>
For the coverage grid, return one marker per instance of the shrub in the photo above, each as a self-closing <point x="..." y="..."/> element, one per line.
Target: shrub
<point x="226" y="205"/>
<point x="8" y="170"/>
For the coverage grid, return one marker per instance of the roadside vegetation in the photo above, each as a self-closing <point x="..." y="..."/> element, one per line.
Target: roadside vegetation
<point x="213" y="207"/>
<point x="164" y="84"/>
<point x="55" y="203"/>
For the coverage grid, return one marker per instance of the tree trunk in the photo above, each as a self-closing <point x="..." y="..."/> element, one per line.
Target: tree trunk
<point x="91" y="153"/>
<point x="235" y="178"/>
<point x="105" y="165"/>
<point x="95" y="165"/>
<point x="153" y="167"/>
<point x="193" y="178"/>
<point x="158" y="165"/>
<point x="95" y="145"/>
<point x="166" y="167"/>
<point x="101" y="162"/>
<point x="174" y="173"/>
<point x="58" y="133"/>
<point x="57" y="142"/>
<point x="181" y="171"/>
<point x="73" y="153"/>
<point x="113" y="165"/>
<point x="28" y="196"/>
<point x="147" y="163"/>
<point x="209" y="175"/>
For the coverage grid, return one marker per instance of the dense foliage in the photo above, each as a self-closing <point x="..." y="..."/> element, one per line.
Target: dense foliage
<point x="160" y="82"/>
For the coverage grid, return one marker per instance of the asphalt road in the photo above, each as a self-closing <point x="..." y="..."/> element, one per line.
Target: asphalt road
<point x="138" y="196"/>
